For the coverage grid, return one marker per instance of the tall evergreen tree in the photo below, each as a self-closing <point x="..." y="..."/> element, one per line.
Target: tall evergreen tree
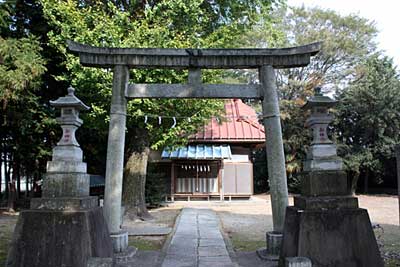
<point x="369" y="120"/>
<point x="23" y="121"/>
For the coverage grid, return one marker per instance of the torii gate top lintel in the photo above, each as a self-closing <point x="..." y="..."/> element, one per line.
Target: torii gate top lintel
<point x="243" y="58"/>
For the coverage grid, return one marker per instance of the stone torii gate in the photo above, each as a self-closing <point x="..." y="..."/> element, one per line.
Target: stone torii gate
<point x="123" y="59"/>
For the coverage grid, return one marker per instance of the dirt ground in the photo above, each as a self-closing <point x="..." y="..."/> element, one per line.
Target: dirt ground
<point x="163" y="217"/>
<point x="245" y="222"/>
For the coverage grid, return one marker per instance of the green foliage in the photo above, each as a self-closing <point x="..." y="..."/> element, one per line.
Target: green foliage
<point x="347" y="40"/>
<point x="20" y="67"/>
<point x="25" y="124"/>
<point x="5" y="10"/>
<point x="369" y="117"/>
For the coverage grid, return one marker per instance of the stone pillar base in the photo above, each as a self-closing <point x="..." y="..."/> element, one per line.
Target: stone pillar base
<point x="48" y="238"/>
<point x="123" y="252"/>
<point x="330" y="237"/>
<point x="298" y="262"/>
<point x="100" y="262"/>
<point x="126" y="256"/>
<point x="119" y="241"/>
<point x="272" y="251"/>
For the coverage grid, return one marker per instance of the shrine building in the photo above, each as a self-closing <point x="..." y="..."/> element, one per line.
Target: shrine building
<point x="216" y="163"/>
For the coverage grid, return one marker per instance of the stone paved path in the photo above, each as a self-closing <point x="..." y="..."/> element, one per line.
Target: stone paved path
<point x="197" y="241"/>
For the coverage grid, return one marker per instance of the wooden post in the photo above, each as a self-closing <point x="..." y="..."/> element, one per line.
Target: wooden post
<point x="221" y="180"/>
<point x="172" y="181"/>
<point x="197" y="178"/>
<point x="115" y="150"/>
<point x="274" y="147"/>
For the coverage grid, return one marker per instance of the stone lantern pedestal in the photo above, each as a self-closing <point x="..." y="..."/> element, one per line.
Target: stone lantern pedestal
<point x="325" y="224"/>
<point x="66" y="226"/>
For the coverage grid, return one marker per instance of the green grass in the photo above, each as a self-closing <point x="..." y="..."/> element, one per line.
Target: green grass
<point x="392" y="263"/>
<point x="241" y="244"/>
<point x="144" y="243"/>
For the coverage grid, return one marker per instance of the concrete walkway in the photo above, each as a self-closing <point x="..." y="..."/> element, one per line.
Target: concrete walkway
<point x="197" y="241"/>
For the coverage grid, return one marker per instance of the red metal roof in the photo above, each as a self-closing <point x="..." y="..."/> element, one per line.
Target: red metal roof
<point x="241" y="125"/>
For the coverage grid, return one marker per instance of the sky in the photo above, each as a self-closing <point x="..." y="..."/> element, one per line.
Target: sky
<point x="385" y="13"/>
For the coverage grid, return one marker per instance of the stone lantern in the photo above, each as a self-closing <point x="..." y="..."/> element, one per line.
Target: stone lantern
<point x="69" y="120"/>
<point x="325" y="224"/>
<point x="65" y="227"/>
<point x="67" y="155"/>
<point x="322" y="152"/>
<point x="323" y="174"/>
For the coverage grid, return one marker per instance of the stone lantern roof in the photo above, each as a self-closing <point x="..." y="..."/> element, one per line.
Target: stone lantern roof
<point x="69" y="100"/>
<point x="319" y="100"/>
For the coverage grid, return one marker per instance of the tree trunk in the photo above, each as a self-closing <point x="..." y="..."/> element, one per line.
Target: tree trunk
<point x="26" y="186"/>
<point x="17" y="177"/>
<point x="134" y="185"/>
<point x="6" y="176"/>
<point x="11" y="197"/>
<point x="35" y="189"/>
<point x="354" y="182"/>
<point x="12" y="194"/>
<point x="135" y="173"/>
<point x="366" y="178"/>
<point x="1" y="172"/>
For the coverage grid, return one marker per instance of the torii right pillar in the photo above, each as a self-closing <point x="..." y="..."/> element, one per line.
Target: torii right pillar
<point x="275" y="161"/>
<point x="325" y="224"/>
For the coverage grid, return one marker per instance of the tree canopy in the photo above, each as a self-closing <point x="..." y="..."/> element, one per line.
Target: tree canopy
<point x="25" y="124"/>
<point x="172" y="24"/>
<point x="162" y="24"/>
<point x="369" y="119"/>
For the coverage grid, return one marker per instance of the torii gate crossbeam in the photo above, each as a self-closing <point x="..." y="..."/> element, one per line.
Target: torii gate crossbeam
<point x="122" y="59"/>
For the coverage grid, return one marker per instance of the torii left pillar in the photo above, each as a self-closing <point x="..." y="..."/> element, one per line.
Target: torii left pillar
<point x="115" y="165"/>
